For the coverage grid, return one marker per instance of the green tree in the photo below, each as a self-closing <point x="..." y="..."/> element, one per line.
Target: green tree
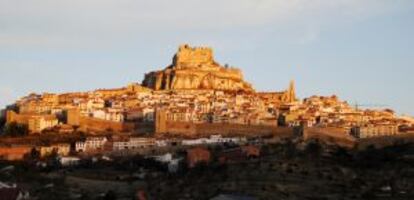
<point x="53" y="159"/>
<point x="16" y="129"/>
<point x="2" y="123"/>
<point x="313" y="149"/>
<point x="342" y="155"/>
<point x="110" y="195"/>
<point x="32" y="157"/>
<point x="34" y="154"/>
<point x="289" y="149"/>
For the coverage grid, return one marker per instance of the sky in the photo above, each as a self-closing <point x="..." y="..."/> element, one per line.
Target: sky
<point x="362" y="51"/>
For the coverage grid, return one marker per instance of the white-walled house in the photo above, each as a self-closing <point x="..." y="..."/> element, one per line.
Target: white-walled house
<point x="214" y="139"/>
<point x="90" y="144"/>
<point x="68" y="161"/>
<point x="148" y="114"/>
<point x="134" y="143"/>
<point x="110" y="115"/>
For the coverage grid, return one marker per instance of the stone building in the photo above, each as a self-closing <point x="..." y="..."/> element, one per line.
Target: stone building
<point x="197" y="155"/>
<point x="374" y="130"/>
<point x="35" y="122"/>
<point x="91" y="144"/>
<point x="280" y="98"/>
<point x="133" y="143"/>
<point x="62" y="149"/>
<point x="73" y="117"/>
<point x="160" y="121"/>
<point x="39" y="123"/>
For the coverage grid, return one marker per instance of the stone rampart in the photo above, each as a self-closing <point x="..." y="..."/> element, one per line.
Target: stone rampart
<point x="330" y="135"/>
<point x="187" y="129"/>
<point x="89" y="124"/>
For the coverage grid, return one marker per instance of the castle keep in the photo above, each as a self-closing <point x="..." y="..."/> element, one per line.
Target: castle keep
<point x="195" y="68"/>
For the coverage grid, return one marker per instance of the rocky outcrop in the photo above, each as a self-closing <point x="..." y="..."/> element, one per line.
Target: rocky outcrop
<point x="195" y="68"/>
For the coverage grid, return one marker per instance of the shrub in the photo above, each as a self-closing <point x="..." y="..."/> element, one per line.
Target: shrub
<point x="15" y="129"/>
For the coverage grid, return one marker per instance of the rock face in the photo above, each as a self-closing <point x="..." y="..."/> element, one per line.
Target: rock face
<point x="195" y="68"/>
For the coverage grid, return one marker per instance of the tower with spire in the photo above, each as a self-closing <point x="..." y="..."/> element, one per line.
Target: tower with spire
<point x="291" y="91"/>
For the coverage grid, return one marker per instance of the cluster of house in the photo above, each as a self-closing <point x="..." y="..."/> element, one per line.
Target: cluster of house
<point x="214" y="139"/>
<point x="100" y="144"/>
<point x="97" y="143"/>
<point x="320" y="111"/>
<point x="138" y="104"/>
<point x="200" y="155"/>
<point x="210" y="107"/>
<point x="135" y="103"/>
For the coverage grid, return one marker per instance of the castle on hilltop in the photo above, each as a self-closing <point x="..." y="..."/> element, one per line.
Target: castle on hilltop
<point x="195" y="68"/>
<point x="194" y="95"/>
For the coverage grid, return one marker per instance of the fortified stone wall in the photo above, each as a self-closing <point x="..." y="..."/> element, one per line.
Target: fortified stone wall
<point x="88" y="124"/>
<point x="188" y="57"/>
<point x="330" y="135"/>
<point x="12" y="116"/>
<point x="131" y="88"/>
<point x="206" y="129"/>
<point x="73" y="117"/>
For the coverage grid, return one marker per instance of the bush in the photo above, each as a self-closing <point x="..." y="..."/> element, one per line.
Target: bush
<point x="342" y="155"/>
<point x="15" y="129"/>
<point x="313" y="149"/>
<point x="2" y="123"/>
<point x="110" y="195"/>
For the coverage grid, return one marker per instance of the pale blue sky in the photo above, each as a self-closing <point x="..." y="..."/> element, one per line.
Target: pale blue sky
<point x="360" y="50"/>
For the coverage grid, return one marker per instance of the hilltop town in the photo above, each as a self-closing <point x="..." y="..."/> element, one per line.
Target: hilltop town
<point x="193" y="99"/>
<point x="194" y="89"/>
<point x="193" y="115"/>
